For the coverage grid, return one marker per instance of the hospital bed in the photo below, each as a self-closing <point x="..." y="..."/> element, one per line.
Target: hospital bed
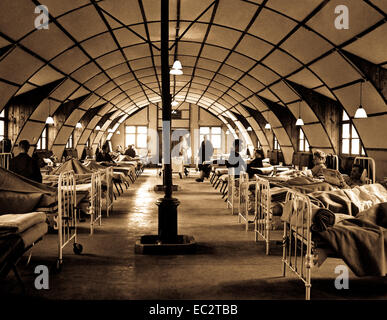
<point x="19" y="233"/>
<point x="313" y="233"/>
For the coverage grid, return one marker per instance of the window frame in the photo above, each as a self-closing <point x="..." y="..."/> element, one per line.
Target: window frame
<point x="136" y="135"/>
<point x="43" y="138"/>
<point x="303" y="141"/>
<point x="346" y="120"/>
<point x="276" y="145"/>
<point x="3" y="119"/>
<point x="211" y="134"/>
<point x="70" y="141"/>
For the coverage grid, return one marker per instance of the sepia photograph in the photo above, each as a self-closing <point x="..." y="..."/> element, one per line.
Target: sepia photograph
<point x="193" y="159"/>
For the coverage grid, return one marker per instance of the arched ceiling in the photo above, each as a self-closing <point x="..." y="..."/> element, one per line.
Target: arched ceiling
<point x="235" y="54"/>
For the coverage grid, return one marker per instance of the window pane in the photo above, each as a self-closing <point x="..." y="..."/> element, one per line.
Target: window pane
<point x="216" y="130"/>
<point x="301" y="145"/>
<point x="130" y="129"/>
<point x="301" y="134"/>
<point x="345" y="116"/>
<point x="345" y="146"/>
<point x="216" y="141"/>
<point x="362" y="151"/>
<point x="355" y="146"/>
<point x="130" y="139"/>
<point x="204" y="130"/>
<point x="2" y="114"/>
<point x="346" y="130"/>
<point x="1" y="128"/>
<point x="354" y="133"/>
<point x="141" y="141"/>
<point x="142" y="129"/>
<point x="201" y="138"/>
<point x="306" y="145"/>
<point x="38" y="145"/>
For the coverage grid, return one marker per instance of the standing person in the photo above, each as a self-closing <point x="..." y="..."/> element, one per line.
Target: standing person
<point x="183" y="152"/>
<point x="235" y="160"/>
<point x="24" y="165"/>
<point x="206" y="151"/>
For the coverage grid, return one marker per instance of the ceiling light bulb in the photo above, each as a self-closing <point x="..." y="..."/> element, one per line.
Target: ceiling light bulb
<point x="78" y="125"/>
<point x="249" y="129"/>
<point x="299" y="122"/>
<point x="177" y="65"/>
<point x="268" y="126"/>
<point x="50" y="120"/>
<point x="360" y="113"/>
<point x="97" y="128"/>
<point x="174" y="103"/>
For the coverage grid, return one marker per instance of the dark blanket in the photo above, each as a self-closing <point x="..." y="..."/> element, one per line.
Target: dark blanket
<point x="307" y="185"/>
<point x="21" y="195"/>
<point x="362" y="241"/>
<point x="74" y="165"/>
<point x="322" y="220"/>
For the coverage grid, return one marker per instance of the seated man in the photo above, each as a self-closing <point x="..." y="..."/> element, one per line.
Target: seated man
<point x="24" y="165"/>
<point x="104" y="156"/>
<point x="256" y="162"/>
<point x="319" y="158"/>
<point x="355" y="177"/>
<point x="131" y="152"/>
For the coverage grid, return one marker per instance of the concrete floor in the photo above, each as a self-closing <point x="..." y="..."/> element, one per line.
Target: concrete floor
<point x="228" y="263"/>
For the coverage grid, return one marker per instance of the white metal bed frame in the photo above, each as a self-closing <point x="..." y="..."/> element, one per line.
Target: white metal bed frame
<point x="5" y="158"/>
<point x="67" y="214"/>
<point x="367" y="163"/>
<point x="95" y="209"/>
<point x="109" y="192"/>
<point x="232" y="198"/>
<point x="262" y="206"/>
<point x="243" y="212"/>
<point x="297" y="239"/>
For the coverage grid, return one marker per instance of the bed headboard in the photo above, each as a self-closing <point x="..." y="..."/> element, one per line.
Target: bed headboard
<point x="368" y="164"/>
<point x="5" y="159"/>
<point x="332" y="162"/>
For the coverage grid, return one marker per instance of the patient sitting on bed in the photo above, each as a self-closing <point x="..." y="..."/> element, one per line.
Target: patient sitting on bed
<point x="355" y="177"/>
<point x="319" y="158"/>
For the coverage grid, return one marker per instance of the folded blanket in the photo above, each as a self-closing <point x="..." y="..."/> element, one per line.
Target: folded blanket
<point x="21" y="222"/>
<point x="362" y="241"/>
<point x="322" y="219"/>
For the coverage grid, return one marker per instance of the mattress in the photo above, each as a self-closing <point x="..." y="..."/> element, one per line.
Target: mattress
<point x="21" y="222"/>
<point x="34" y="233"/>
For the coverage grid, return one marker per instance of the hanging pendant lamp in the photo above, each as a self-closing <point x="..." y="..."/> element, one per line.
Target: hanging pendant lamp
<point x="360" y="112"/>
<point x="177" y="68"/>
<point x="299" y="121"/>
<point x="49" y="120"/>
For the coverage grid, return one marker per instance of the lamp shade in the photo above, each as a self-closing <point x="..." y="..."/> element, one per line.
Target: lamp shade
<point x="78" y="125"/>
<point x="97" y="128"/>
<point x="118" y="132"/>
<point x="174" y="103"/>
<point x="176" y="72"/>
<point x="50" y="120"/>
<point x="177" y="65"/>
<point x="249" y="129"/>
<point x="360" y="113"/>
<point x="268" y="126"/>
<point x="299" y="122"/>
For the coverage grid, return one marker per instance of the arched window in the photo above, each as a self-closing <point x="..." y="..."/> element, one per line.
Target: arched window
<point x="350" y="141"/>
<point x="303" y="144"/>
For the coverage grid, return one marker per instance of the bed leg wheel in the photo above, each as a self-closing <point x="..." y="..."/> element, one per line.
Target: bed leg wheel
<point x="77" y="248"/>
<point x="58" y="266"/>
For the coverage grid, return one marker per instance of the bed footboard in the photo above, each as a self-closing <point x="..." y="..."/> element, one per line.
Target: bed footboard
<point x="297" y="238"/>
<point x="95" y="201"/>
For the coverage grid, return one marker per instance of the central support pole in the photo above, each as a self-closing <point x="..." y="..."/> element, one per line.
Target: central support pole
<point x="167" y="205"/>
